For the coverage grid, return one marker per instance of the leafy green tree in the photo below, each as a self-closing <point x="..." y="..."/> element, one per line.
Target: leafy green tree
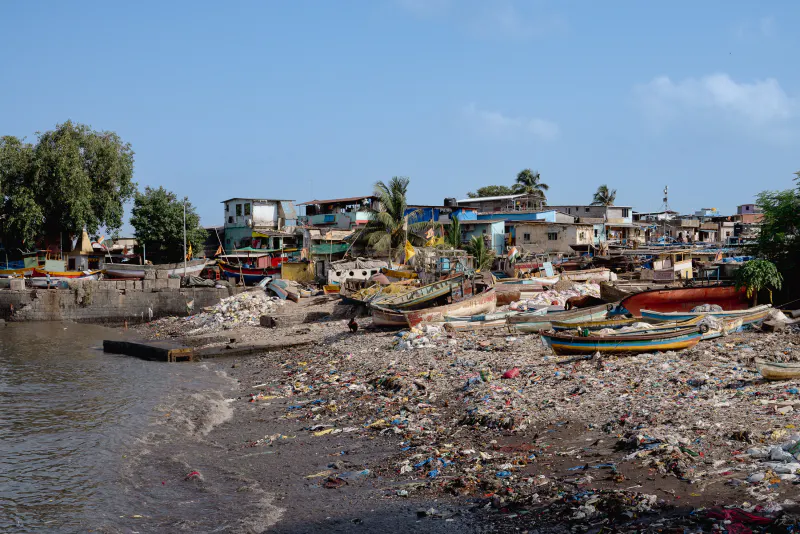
<point x="72" y="178"/>
<point x="756" y="275"/>
<point x="157" y="219"/>
<point x="604" y="196"/>
<point x="452" y="235"/>
<point x="530" y="183"/>
<point x="389" y="225"/>
<point x="491" y="191"/>
<point x="482" y="256"/>
<point x="20" y="216"/>
<point x="779" y="237"/>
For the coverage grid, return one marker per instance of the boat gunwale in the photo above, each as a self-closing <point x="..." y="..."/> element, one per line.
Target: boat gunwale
<point x="611" y="338"/>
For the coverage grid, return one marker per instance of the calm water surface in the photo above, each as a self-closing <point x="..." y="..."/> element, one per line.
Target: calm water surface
<point x="71" y="417"/>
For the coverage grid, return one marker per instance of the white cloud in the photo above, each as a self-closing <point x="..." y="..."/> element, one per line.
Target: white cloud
<point x="496" y="124"/>
<point x="759" y="103"/>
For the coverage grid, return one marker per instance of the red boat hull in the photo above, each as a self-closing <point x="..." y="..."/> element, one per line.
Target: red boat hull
<point x="684" y="299"/>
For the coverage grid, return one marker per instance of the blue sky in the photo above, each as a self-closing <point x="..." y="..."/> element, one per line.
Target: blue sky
<point x="313" y="99"/>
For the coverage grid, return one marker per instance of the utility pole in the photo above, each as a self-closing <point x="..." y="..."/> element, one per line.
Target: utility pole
<point x="666" y="212"/>
<point x="184" y="238"/>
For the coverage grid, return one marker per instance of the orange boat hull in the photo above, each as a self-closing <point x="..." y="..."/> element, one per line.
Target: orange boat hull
<point x="683" y="299"/>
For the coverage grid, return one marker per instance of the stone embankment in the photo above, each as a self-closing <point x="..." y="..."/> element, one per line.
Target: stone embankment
<point x="111" y="301"/>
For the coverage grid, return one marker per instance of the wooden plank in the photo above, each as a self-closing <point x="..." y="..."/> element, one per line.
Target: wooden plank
<point x="160" y="351"/>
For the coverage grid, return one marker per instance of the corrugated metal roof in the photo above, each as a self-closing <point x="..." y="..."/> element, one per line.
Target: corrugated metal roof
<point x="336" y="200"/>
<point x="259" y="199"/>
<point x="501" y="197"/>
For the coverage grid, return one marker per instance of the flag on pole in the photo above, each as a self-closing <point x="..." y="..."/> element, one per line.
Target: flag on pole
<point x="409" y="250"/>
<point x="189" y="253"/>
<point x="219" y="251"/>
<point x="429" y="234"/>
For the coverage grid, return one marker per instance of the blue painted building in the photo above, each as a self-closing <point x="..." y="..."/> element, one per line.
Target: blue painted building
<point x="441" y="214"/>
<point x="493" y="232"/>
<point x="547" y="216"/>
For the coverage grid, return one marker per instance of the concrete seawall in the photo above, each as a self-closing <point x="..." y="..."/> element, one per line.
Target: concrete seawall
<point x="108" y="301"/>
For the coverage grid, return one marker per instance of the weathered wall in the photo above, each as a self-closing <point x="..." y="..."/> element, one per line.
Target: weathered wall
<point x="299" y="272"/>
<point x="539" y="241"/>
<point x="108" y="301"/>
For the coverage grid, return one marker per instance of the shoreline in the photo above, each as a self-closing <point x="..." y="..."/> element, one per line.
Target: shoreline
<point x="629" y="441"/>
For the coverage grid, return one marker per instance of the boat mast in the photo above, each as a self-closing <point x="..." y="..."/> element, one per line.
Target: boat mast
<point x="184" y="238"/>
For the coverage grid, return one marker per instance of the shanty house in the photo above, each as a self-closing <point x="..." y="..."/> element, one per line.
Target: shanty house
<point x="342" y="213"/>
<point x="258" y="223"/>
<point x="547" y="237"/>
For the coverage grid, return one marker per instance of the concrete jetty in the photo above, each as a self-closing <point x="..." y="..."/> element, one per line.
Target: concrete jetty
<point x="160" y="351"/>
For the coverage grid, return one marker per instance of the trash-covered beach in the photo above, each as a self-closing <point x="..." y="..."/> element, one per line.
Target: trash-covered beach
<point x="492" y="426"/>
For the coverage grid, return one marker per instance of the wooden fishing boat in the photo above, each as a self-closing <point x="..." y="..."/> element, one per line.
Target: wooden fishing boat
<point x="250" y="275"/>
<point x="123" y="271"/>
<point x="388" y="318"/>
<point x="423" y="296"/>
<point x="481" y="317"/>
<point x="523" y="323"/>
<point x="778" y="370"/>
<point x="560" y="326"/>
<point x="540" y="281"/>
<point x="22" y="271"/>
<point x="756" y="314"/>
<point x="556" y="314"/>
<point x="563" y="344"/>
<point x="683" y="299"/>
<point x="394" y="273"/>
<point x="481" y="303"/>
<point x="52" y="279"/>
<point x="133" y="271"/>
<point x="41" y="273"/>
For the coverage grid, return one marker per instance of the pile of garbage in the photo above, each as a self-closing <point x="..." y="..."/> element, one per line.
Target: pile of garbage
<point x="417" y="337"/>
<point x="705" y="308"/>
<point x="553" y="297"/>
<point x="546" y="439"/>
<point x="243" y="309"/>
<point x="781" y="461"/>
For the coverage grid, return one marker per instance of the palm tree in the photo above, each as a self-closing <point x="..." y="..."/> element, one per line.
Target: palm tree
<point x="529" y="183"/>
<point x="482" y="256"/>
<point x="452" y="236"/>
<point x="389" y="226"/>
<point x="604" y="196"/>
